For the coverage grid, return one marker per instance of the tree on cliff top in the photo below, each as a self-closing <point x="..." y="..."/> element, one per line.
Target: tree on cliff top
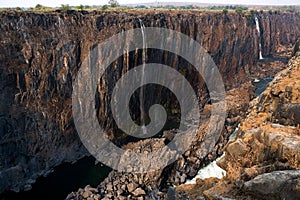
<point x="80" y="7"/>
<point x="113" y="3"/>
<point x="38" y="6"/>
<point x="65" y="7"/>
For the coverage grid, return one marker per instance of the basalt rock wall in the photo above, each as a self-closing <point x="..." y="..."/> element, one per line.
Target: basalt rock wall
<point x="41" y="53"/>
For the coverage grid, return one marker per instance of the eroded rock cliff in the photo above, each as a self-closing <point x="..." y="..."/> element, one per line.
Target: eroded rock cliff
<point x="42" y="52"/>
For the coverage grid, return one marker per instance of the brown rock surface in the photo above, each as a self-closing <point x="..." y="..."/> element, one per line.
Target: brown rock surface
<point x="155" y="184"/>
<point x="264" y="160"/>
<point x="42" y="52"/>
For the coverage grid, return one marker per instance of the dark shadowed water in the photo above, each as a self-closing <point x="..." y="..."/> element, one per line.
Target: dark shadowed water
<point x="261" y="85"/>
<point x="65" y="179"/>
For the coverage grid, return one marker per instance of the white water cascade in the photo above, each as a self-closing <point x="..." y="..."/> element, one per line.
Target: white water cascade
<point x="213" y="170"/>
<point x="142" y="78"/>
<point x="258" y="30"/>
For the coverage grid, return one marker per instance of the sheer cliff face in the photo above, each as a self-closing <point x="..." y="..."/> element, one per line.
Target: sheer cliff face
<point x="40" y="55"/>
<point x="277" y="30"/>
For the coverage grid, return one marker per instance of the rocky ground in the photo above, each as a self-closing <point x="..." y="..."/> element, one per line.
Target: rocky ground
<point x="40" y="57"/>
<point x="263" y="162"/>
<point x="155" y="185"/>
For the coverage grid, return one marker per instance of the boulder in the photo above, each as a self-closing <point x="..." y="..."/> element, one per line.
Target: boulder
<point x="275" y="185"/>
<point x="139" y="192"/>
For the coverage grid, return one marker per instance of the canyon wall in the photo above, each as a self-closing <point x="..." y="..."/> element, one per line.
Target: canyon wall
<point x="41" y="53"/>
<point x="262" y="161"/>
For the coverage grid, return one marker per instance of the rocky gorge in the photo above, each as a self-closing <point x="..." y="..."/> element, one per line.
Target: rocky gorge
<point x="41" y="54"/>
<point x="263" y="160"/>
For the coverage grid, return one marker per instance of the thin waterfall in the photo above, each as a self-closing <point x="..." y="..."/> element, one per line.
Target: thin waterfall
<point x="258" y="30"/>
<point x="142" y="78"/>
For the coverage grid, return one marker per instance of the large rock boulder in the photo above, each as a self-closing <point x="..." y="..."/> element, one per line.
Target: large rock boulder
<point x="275" y="185"/>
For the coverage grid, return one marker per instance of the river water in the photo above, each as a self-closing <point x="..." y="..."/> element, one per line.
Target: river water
<point x="261" y="85"/>
<point x="63" y="180"/>
<point x="69" y="177"/>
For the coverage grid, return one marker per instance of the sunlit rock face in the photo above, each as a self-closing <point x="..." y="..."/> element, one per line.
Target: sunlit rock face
<point x="264" y="157"/>
<point x="41" y="54"/>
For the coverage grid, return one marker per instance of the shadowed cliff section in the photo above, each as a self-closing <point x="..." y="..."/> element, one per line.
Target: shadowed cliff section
<point x="42" y="52"/>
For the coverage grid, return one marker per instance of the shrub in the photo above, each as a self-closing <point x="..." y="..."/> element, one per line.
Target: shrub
<point x="239" y="10"/>
<point x="64" y="7"/>
<point x="261" y="11"/>
<point x="80" y="7"/>
<point x="270" y="12"/>
<point x="38" y="7"/>
<point x="105" y="7"/>
<point x="225" y="11"/>
<point x="113" y="3"/>
<point x="249" y="17"/>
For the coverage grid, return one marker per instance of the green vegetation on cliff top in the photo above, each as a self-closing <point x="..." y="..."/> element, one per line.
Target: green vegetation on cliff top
<point x="114" y="5"/>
